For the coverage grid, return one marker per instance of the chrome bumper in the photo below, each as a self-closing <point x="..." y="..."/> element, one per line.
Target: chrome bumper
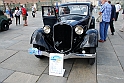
<point x="73" y="55"/>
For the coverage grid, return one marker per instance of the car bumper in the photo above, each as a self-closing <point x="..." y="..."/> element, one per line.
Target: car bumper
<point x="72" y="55"/>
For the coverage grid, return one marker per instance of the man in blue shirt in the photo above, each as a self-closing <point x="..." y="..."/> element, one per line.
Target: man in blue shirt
<point x="106" y="15"/>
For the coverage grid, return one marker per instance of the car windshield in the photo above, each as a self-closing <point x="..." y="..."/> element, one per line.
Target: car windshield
<point x="73" y="9"/>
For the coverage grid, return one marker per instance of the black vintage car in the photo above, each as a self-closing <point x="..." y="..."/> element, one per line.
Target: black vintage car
<point x="68" y="29"/>
<point x="4" y="22"/>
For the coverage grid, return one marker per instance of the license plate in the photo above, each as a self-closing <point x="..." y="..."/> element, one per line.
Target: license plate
<point x="34" y="51"/>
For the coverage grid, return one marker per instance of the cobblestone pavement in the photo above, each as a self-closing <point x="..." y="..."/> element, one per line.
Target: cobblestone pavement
<point x="18" y="66"/>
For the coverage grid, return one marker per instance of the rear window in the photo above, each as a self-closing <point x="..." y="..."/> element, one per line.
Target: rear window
<point x="48" y="11"/>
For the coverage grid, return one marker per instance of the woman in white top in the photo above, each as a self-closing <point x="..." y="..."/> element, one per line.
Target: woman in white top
<point x="17" y="15"/>
<point x="33" y="11"/>
<point x="118" y="8"/>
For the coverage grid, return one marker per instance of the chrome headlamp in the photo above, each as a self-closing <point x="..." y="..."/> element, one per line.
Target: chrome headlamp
<point x="79" y="29"/>
<point x="46" y="29"/>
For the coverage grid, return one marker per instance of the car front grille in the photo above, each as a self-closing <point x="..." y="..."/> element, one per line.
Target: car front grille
<point x="62" y="37"/>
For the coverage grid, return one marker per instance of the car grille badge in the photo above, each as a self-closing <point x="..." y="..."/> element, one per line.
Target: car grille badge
<point x="58" y="43"/>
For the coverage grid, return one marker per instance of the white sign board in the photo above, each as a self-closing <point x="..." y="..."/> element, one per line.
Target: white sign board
<point x="56" y="64"/>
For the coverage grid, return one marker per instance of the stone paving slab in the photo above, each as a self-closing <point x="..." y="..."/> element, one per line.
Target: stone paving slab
<point x="6" y="37"/>
<point x="4" y="74"/>
<point x="51" y="79"/>
<point x="18" y="77"/>
<point x="121" y="58"/>
<point x="22" y="37"/>
<point x="22" y="45"/>
<point x="4" y="54"/>
<point x="107" y="58"/>
<point x="119" y="49"/>
<point x="115" y="71"/>
<point x="24" y="62"/>
<point x="109" y="79"/>
<point x="7" y="43"/>
<point x="116" y="40"/>
<point x="82" y="72"/>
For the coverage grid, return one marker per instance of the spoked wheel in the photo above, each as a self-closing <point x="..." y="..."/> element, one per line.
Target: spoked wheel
<point x="39" y="48"/>
<point x="4" y="25"/>
<point x="92" y="50"/>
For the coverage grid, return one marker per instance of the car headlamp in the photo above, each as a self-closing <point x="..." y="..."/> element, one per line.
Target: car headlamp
<point x="79" y="30"/>
<point x="46" y="29"/>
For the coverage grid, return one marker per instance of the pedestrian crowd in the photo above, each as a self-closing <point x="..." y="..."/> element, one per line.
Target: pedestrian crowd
<point x="109" y="13"/>
<point x="17" y="12"/>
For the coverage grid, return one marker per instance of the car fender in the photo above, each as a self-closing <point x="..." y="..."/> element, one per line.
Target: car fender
<point x="38" y="38"/>
<point x="90" y="39"/>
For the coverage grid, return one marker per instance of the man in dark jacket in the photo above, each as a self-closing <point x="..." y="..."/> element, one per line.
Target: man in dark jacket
<point x="113" y="15"/>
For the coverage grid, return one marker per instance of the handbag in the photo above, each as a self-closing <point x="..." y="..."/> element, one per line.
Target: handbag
<point x="99" y="18"/>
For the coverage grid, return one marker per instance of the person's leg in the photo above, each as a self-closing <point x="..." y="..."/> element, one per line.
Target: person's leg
<point x="106" y="30"/>
<point x="122" y="29"/>
<point x="19" y="19"/>
<point x="112" y="27"/>
<point x="32" y="13"/>
<point x="16" y="19"/>
<point x="26" y="21"/>
<point x="102" y="26"/>
<point x="116" y="17"/>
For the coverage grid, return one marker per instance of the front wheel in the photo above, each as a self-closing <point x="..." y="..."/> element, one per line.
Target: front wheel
<point x="4" y="25"/>
<point x="92" y="50"/>
<point x="91" y="61"/>
<point x="39" y="56"/>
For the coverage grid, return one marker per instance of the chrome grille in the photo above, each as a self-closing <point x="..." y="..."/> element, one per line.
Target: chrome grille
<point x="62" y="37"/>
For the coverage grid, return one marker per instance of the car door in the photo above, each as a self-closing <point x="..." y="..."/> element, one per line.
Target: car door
<point x="49" y="15"/>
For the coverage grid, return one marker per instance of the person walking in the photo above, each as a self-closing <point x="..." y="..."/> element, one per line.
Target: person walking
<point x="123" y="12"/>
<point x="7" y="12"/>
<point x="33" y="11"/>
<point x="17" y="15"/>
<point x="24" y="15"/>
<point x="113" y="15"/>
<point x="105" y="10"/>
<point x="122" y="29"/>
<point x="118" y="8"/>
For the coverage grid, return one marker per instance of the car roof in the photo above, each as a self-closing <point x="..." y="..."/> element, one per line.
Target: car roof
<point x="76" y="3"/>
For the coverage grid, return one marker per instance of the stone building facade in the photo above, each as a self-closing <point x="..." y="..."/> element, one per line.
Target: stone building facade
<point x="39" y="3"/>
<point x="95" y="2"/>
